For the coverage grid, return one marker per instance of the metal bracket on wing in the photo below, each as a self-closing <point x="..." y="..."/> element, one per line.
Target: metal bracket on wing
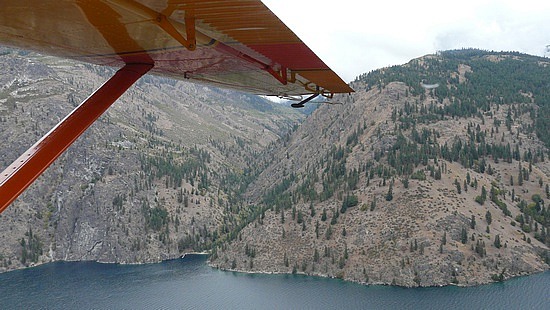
<point x="191" y="42"/>
<point x="280" y="75"/>
<point x="317" y="92"/>
<point x="311" y="87"/>
<point x="301" y="103"/>
<point x="163" y="22"/>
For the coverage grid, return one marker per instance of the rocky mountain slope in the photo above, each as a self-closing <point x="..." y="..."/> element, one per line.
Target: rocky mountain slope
<point x="433" y="173"/>
<point x="159" y="175"/>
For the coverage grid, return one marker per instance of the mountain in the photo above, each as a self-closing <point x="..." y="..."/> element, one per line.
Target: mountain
<point x="433" y="173"/>
<point x="160" y="174"/>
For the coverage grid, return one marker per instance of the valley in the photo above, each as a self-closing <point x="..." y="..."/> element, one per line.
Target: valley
<point x="399" y="184"/>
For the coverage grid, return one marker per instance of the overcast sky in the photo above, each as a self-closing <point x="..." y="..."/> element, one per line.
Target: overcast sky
<point x="357" y="36"/>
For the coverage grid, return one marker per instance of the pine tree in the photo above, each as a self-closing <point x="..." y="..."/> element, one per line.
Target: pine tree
<point x="317" y="229"/>
<point x="464" y="236"/>
<point x="488" y="217"/>
<point x="389" y="195"/>
<point x="497" y="242"/>
<point x="520" y="176"/>
<point x="328" y="232"/>
<point x="458" y="187"/>
<point x="334" y="218"/>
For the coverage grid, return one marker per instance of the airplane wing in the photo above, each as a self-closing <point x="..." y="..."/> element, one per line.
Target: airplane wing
<point x="238" y="44"/>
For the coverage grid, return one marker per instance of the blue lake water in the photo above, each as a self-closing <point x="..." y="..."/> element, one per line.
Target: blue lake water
<point x="190" y="284"/>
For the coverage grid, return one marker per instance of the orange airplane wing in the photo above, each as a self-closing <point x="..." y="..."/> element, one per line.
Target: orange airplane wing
<point x="237" y="44"/>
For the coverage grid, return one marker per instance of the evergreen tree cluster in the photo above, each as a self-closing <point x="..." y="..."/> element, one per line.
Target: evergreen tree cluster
<point x="31" y="248"/>
<point x="177" y="167"/>
<point x="493" y="78"/>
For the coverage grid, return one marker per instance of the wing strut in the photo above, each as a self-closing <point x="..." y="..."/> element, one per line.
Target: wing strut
<point x="21" y="173"/>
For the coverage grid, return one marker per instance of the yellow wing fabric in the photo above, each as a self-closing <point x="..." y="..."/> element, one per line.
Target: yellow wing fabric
<point x="234" y="44"/>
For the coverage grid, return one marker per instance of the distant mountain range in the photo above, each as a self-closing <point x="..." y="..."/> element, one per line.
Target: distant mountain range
<point x="400" y="184"/>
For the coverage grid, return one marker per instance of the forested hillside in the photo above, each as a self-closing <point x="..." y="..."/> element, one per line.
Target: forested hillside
<point x="160" y="174"/>
<point x="432" y="173"/>
<point x="518" y="78"/>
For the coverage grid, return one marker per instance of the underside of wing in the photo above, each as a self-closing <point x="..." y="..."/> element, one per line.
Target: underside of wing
<point x="233" y="44"/>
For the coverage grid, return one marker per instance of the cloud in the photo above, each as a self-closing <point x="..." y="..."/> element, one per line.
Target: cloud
<point x="354" y="37"/>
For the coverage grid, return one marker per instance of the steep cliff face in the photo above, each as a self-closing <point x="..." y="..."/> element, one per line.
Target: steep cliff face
<point x="410" y="185"/>
<point x="159" y="175"/>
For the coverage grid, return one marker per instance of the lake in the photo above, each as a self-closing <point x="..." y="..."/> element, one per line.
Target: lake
<point x="190" y="284"/>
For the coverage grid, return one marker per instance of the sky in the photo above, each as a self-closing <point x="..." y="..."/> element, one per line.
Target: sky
<point x="357" y="36"/>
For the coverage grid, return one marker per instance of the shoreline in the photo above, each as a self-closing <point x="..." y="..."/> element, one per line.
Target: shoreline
<point x="122" y="263"/>
<point x="374" y="283"/>
<point x="194" y="253"/>
<point x="213" y="266"/>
